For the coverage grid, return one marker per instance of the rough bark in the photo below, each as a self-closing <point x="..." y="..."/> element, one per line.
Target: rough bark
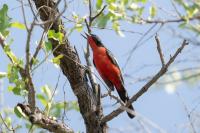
<point x="71" y="68"/>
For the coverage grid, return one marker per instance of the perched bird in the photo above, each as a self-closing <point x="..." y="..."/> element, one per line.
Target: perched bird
<point x="108" y="68"/>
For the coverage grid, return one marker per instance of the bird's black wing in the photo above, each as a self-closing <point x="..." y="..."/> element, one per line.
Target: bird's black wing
<point x="114" y="61"/>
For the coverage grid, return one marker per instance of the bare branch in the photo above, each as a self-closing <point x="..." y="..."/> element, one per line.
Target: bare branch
<point x="160" y="50"/>
<point x="168" y="21"/>
<point x="137" y="45"/>
<point x="188" y="113"/>
<point x="37" y="49"/>
<point x="23" y="13"/>
<point x="162" y="71"/>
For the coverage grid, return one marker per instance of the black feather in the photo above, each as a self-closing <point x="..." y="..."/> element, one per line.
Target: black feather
<point x="124" y="97"/>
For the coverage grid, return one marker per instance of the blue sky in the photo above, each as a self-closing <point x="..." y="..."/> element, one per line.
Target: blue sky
<point x="162" y="108"/>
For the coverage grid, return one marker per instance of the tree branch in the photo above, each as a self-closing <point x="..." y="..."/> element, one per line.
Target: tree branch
<point x="162" y="71"/>
<point x="160" y="50"/>
<point x="71" y="68"/>
<point x="168" y="21"/>
<point x="43" y="121"/>
<point x="8" y="128"/>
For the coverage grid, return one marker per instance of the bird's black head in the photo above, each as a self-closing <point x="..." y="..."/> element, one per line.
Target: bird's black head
<point x="97" y="40"/>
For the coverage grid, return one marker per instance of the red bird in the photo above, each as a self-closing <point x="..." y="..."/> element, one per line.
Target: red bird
<point x="107" y="66"/>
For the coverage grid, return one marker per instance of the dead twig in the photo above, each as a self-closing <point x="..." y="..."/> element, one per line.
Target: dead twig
<point x="160" y="50"/>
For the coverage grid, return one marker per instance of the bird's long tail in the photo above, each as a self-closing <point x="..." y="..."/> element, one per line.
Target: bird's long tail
<point x="124" y="97"/>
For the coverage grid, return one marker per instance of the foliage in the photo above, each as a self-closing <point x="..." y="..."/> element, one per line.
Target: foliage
<point x="116" y="13"/>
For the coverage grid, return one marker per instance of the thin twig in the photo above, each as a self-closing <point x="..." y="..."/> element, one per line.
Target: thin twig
<point x="159" y="50"/>
<point x="53" y="94"/>
<point x="9" y="129"/>
<point x="188" y="113"/>
<point x="162" y="71"/>
<point x="169" y="21"/>
<point x="37" y="48"/>
<point x="23" y="13"/>
<point x="137" y="45"/>
<point x="97" y="15"/>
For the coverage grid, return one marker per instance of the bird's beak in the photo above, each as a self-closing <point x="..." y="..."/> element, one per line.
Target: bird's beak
<point x="84" y="36"/>
<point x="87" y="34"/>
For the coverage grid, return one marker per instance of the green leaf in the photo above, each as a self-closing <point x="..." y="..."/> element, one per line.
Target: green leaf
<point x="19" y="113"/>
<point x="3" y="74"/>
<point x="10" y="54"/>
<point x="140" y="11"/>
<point x="143" y="1"/>
<point x="18" y="25"/>
<point x="35" y="61"/>
<point x="12" y="73"/>
<point x="133" y="6"/>
<point x="99" y="4"/>
<point x="10" y="88"/>
<point x="8" y="121"/>
<point x="42" y="99"/>
<point x="47" y="91"/>
<point x="182" y="25"/>
<point x="16" y="91"/>
<point x="56" y="60"/>
<point x="47" y="46"/>
<point x="116" y="27"/>
<point x="153" y="11"/>
<point x="56" y="35"/>
<point x="103" y="20"/>
<point x="192" y="10"/>
<point x="79" y="27"/>
<point x="4" y="20"/>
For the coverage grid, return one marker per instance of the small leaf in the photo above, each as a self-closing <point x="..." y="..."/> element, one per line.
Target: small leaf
<point x="3" y="74"/>
<point x="102" y="21"/>
<point x="18" y="111"/>
<point x="182" y="25"/>
<point x="8" y="121"/>
<point x="35" y="61"/>
<point x="56" y="35"/>
<point x="47" y="46"/>
<point x="10" y="88"/>
<point x="47" y="91"/>
<point x="133" y="6"/>
<point x="4" y="20"/>
<point x="152" y="11"/>
<point x="79" y="27"/>
<point x="42" y="99"/>
<point x="99" y="4"/>
<point x="18" y="25"/>
<point x="12" y="73"/>
<point x="56" y="60"/>
<point x="16" y="91"/>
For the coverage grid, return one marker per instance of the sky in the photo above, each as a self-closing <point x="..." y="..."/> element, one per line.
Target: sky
<point x="161" y="108"/>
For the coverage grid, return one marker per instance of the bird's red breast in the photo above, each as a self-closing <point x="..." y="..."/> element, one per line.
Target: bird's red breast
<point x="105" y="67"/>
